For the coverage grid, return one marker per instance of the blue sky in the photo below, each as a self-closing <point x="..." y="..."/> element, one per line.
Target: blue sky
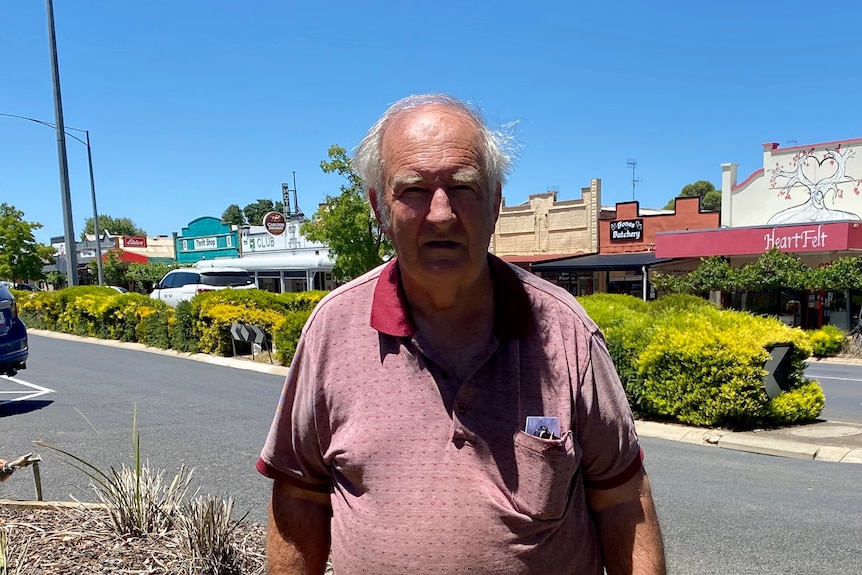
<point x="194" y="105"/>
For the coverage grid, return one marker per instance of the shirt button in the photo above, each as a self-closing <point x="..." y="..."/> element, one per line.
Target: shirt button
<point x="462" y="408"/>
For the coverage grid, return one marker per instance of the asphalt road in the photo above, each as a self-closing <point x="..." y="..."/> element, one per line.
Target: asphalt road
<point x="722" y="511"/>
<point x="842" y="384"/>
<point x="213" y="419"/>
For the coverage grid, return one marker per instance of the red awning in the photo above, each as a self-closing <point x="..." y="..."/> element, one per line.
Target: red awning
<point x="127" y="257"/>
<point x="793" y="238"/>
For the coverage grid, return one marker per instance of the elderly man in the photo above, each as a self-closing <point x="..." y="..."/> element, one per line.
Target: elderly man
<point x="448" y="413"/>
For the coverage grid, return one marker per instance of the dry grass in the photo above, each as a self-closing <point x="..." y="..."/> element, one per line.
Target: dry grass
<point x="83" y="540"/>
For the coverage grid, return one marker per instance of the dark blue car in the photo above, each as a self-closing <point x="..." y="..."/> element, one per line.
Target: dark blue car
<point x="13" y="335"/>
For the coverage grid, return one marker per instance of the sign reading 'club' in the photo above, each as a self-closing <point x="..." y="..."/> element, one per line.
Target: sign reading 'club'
<point x="274" y="223"/>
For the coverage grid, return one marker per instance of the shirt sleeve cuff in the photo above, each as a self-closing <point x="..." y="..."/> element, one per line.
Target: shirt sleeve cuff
<point x="268" y="470"/>
<point x="634" y="467"/>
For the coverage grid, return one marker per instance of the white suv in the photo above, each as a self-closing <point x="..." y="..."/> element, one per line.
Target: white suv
<point x="183" y="284"/>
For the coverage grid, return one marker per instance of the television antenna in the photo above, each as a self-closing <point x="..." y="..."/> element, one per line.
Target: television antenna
<point x="633" y="163"/>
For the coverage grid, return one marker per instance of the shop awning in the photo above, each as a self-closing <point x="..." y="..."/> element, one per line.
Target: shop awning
<point x="601" y="263"/>
<point x="835" y="237"/>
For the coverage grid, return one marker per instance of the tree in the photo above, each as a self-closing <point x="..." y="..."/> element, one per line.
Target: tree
<point x="710" y="197"/>
<point x="117" y="227"/>
<point x="21" y="257"/>
<point x="146" y="275"/>
<point x="114" y="269"/>
<point x="346" y="224"/>
<point x="233" y="215"/>
<point x="254" y="212"/>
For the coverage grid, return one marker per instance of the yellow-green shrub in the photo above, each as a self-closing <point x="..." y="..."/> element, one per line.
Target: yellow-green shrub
<point x="287" y="336"/>
<point x="215" y="319"/>
<point x="626" y="324"/>
<point x="706" y="368"/>
<point x="798" y="405"/>
<point x="826" y="341"/>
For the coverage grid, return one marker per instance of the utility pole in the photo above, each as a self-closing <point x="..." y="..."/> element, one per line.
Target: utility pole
<point x="65" y="195"/>
<point x="632" y="163"/>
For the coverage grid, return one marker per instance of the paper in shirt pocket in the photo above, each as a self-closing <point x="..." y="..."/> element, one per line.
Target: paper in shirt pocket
<point x="545" y="468"/>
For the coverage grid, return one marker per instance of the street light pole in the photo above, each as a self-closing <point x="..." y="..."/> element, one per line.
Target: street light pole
<point x="101" y="273"/>
<point x="92" y="184"/>
<point x="65" y="196"/>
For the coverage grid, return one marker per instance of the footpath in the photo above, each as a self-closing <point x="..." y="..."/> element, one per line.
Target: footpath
<point x="822" y="440"/>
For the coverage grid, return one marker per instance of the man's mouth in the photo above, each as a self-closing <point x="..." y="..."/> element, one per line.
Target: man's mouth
<point x="441" y="244"/>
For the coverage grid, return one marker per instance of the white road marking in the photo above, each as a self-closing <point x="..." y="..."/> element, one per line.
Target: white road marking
<point x="32" y="390"/>
<point x="835" y="378"/>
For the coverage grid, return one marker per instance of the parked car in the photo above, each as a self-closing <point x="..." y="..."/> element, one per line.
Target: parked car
<point x="13" y="335"/>
<point x="25" y="287"/>
<point x="120" y="289"/>
<point x="185" y="283"/>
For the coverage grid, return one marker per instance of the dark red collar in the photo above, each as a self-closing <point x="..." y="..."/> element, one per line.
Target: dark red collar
<point x="390" y="312"/>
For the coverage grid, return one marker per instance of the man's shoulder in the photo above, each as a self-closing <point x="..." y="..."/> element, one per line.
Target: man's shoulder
<point x="551" y="300"/>
<point x="351" y="299"/>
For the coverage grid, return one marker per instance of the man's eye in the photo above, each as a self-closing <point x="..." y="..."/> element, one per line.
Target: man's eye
<point x="412" y="191"/>
<point x="463" y="190"/>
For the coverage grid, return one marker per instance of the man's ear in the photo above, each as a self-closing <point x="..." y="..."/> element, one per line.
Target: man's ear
<point x="498" y="200"/>
<point x="372" y="197"/>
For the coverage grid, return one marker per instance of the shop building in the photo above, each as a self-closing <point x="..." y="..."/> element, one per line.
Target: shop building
<point x="283" y="262"/>
<point x="806" y="200"/>
<point x="626" y="254"/>
<point x="206" y="238"/>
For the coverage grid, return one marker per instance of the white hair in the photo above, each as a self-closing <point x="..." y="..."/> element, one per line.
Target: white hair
<point x="496" y="153"/>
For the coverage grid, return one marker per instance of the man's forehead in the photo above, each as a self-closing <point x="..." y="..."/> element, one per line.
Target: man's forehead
<point x="430" y="121"/>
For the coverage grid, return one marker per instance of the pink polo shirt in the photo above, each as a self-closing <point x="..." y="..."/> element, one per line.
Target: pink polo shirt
<point x="430" y="475"/>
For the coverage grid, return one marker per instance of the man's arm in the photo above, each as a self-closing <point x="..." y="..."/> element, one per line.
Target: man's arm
<point x="628" y="528"/>
<point x="297" y="541"/>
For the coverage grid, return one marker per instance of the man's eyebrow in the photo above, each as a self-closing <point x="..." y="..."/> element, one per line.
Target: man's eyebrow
<point x="401" y="180"/>
<point x="467" y="176"/>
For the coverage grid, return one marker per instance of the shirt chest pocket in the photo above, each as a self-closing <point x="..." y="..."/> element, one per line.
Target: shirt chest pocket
<point x="545" y="468"/>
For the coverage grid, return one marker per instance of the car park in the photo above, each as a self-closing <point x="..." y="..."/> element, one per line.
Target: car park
<point x="183" y="284"/>
<point x="13" y="335"/>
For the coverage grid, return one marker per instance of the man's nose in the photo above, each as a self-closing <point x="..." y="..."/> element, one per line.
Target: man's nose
<point x="440" y="210"/>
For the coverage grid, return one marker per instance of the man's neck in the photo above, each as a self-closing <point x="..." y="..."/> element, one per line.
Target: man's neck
<point x="442" y="303"/>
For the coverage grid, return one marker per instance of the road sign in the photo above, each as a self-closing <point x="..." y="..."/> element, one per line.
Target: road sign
<point x="247" y="332"/>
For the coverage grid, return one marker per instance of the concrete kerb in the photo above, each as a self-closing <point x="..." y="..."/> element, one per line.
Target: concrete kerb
<point x="742" y="441"/>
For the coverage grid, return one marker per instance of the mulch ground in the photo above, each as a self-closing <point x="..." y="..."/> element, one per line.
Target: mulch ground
<point x="72" y="541"/>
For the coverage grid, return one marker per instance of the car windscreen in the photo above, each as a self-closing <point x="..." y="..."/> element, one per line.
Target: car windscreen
<point x="223" y="279"/>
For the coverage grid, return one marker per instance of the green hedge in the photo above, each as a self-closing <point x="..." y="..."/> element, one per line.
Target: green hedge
<point x="201" y="325"/>
<point x="681" y="358"/>
<point x="826" y="341"/>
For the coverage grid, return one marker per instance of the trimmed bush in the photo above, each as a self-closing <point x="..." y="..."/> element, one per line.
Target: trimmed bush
<point x="625" y="323"/>
<point x="826" y="341"/>
<point x="798" y="405"/>
<point x="182" y="329"/>
<point x="682" y="358"/>
<point x="287" y="336"/>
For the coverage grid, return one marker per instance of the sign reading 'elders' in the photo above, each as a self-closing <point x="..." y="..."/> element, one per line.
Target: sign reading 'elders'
<point x="627" y="230"/>
<point x="134" y="242"/>
<point x="274" y="223"/>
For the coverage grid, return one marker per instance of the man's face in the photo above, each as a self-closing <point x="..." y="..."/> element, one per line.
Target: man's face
<point x="442" y="210"/>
